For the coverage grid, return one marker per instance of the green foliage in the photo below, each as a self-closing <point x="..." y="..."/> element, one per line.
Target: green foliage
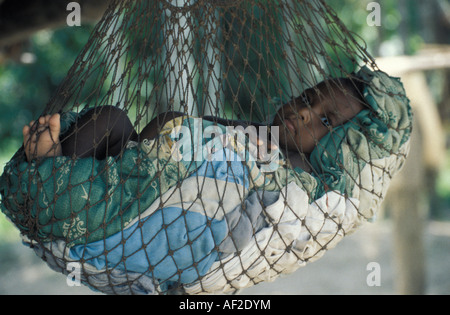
<point x="8" y="233"/>
<point x="398" y="33"/>
<point x="443" y="182"/>
<point x="26" y="88"/>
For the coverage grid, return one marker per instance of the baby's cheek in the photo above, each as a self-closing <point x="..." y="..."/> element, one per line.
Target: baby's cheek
<point x="310" y="137"/>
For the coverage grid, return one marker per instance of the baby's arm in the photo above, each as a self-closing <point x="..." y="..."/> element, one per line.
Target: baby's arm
<point x="260" y="140"/>
<point x="153" y="128"/>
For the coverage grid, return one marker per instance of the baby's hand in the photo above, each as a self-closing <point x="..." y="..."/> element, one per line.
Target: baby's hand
<point x="263" y="145"/>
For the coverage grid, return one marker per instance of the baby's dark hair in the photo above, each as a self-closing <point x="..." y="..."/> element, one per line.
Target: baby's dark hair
<point x="354" y="86"/>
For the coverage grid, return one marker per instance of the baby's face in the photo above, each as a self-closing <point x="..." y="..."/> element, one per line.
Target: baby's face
<point x="302" y="126"/>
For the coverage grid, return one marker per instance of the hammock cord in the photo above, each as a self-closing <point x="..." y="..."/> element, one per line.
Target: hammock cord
<point x="151" y="67"/>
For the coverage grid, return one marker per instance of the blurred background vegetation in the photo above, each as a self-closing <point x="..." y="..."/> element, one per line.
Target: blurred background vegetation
<point x="31" y="69"/>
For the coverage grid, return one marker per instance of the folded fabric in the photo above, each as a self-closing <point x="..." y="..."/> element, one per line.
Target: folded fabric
<point x="111" y="281"/>
<point x="85" y="200"/>
<point x="202" y="213"/>
<point x="353" y="166"/>
<point x="360" y="158"/>
<point x="181" y="240"/>
<point x="297" y="233"/>
<point x="245" y="220"/>
<point x="170" y="244"/>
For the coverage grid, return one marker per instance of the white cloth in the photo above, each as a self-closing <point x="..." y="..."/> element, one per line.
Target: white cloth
<point x="298" y="233"/>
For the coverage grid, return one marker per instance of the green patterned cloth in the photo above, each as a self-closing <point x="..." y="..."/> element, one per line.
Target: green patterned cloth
<point x="374" y="134"/>
<point x="86" y="200"/>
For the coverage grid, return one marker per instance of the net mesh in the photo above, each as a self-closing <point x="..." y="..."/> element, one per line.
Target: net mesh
<point x="134" y="190"/>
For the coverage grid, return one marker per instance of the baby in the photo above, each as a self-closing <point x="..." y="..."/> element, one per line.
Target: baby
<point x="104" y="131"/>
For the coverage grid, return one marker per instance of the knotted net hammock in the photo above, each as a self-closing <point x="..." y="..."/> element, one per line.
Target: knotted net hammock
<point x="206" y="146"/>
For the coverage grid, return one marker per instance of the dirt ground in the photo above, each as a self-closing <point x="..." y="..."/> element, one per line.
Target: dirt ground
<point x="343" y="270"/>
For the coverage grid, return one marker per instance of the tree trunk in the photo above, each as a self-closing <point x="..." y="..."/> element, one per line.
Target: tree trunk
<point x="407" y="206"/>
<point x="408" y="199"/>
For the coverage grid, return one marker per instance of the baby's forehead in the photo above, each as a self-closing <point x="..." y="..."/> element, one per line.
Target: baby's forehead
<point x="330" y="88"/>
<point x="328" y="95"/>
<point x="335" y="98"/>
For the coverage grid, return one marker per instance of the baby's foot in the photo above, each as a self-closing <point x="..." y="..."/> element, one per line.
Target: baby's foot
<point x="41" y="138"/>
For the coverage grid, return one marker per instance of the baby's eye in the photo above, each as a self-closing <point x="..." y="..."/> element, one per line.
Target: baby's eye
<point x="326" y="122"/>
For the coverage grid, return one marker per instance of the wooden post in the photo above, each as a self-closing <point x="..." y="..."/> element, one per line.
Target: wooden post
<point x="407" y="205"/>
<point x="407" y="198"/>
